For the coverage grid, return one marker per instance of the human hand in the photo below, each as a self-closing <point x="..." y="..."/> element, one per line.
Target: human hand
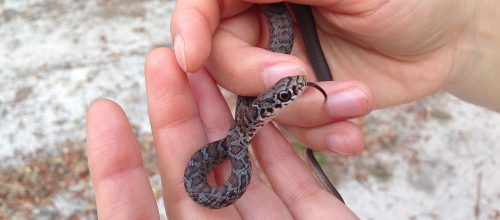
<point x="309" y="120"/>
<point x="186" y="112"/>
<point x="402" y="50"/>
<point x="397" y="51"/>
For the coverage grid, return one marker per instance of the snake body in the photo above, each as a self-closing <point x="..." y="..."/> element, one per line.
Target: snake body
<point x="251" y="114"/>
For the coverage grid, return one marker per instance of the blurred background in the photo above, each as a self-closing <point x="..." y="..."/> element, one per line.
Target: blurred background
<point x="438" y="158"/>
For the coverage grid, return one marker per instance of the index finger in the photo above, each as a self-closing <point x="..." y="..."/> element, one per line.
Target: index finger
<point x="192" y="25"/>
<point x="178" y="132"/>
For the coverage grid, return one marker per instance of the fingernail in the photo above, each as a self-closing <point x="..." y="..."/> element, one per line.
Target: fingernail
<point x="179" y="52"/>
<point x="349" y="102"/>
<point x="338" y="143"/>
<point x="274" y="73"/>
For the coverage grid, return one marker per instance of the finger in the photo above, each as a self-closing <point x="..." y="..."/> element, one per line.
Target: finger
<point x="213" y="111"/>
<point x="340" y="137"/>
<point x="341" y="7"/>
<point x="241" y="67"/>
<point x="345" y="99"/>
<point x="305" y="2"/>
<point x="119" y="178"/>
<point x="257" y="69"/>
<point x="258" y="201"/>
<point x="261" y="202"/>
<point x="178" y="133"/>
<point x="193" y="24"/>
<point x="293" y="181"/>
<point x="214" y="115"/>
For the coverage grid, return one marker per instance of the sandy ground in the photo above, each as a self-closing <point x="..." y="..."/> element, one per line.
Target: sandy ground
<point x="435" y="159"/>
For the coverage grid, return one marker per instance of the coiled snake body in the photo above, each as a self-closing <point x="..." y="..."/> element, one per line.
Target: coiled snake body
<point x="252" y="113"/>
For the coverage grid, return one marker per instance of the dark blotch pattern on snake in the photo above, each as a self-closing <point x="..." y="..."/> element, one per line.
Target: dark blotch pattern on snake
<point x="252" y="113"/>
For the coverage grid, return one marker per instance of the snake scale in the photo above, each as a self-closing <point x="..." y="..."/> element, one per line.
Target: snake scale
<point x="252" y="113"/>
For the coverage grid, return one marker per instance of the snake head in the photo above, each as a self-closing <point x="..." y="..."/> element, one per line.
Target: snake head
<point x="281" y="94"/>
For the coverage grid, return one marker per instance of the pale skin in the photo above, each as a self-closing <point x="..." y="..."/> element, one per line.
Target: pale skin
<point x="384" y="53"/>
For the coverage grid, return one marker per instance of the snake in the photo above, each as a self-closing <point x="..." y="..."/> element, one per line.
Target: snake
<point x="252" y="113"/>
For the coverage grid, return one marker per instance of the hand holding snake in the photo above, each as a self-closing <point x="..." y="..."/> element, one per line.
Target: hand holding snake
<point x="280" y="40"/>
<point x="252" y="113"/>
<point x="361" y="41"/>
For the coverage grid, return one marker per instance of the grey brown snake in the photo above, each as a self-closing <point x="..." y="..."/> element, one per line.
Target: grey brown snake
<point x="252" y="113"/>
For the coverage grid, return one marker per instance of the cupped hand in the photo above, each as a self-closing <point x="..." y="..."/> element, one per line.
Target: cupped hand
<point x="382" y="53"/>
<point x="187" y="111"/>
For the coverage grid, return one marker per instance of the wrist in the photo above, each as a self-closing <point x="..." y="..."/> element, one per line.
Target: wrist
<point x="476" y="73"/>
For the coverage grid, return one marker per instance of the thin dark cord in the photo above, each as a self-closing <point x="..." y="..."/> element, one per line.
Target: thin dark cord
<point x="305" y="19"/>
<point x="321" y="174"/>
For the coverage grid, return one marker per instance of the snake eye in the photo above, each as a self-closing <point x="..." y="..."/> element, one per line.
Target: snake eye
<point x="285" y="96"/>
